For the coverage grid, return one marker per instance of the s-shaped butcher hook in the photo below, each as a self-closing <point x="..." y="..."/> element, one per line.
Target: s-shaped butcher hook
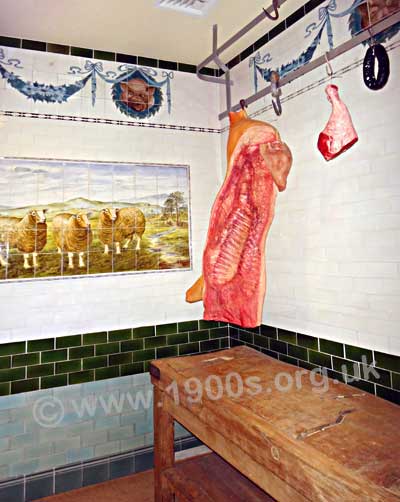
<point x="275" y="6"/>
<point x="276" y="92"/>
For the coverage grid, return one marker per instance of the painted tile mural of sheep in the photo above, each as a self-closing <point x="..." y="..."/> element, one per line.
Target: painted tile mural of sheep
<point x="118" y="226"/>
<point x="67" y="218"/>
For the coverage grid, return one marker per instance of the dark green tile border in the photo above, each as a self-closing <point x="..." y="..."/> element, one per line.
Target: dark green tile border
<point x="35" y="45"/>
<point x="55" y="362"/>
<point x="341" y="362"/>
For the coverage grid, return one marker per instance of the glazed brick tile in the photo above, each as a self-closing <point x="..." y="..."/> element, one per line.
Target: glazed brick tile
<point x="144" y="355"/>
<point x="278" y="346"/>
<point x="68" y="341"/>
<point x="104" y="55"/>
<point x="50" y="382"/>
<point x="116" y="359"/>
<point x="168" y="65"/>
<point x="131" y="345"/>
<point x="199" y="336"/>
<point x="208" y="324"/>
<point x="105" y="373"/>
<point x="25" y="385"/>
<point x="10" y="42"/>
<point x="296" y="16"/>
<point x="307" y="341"/>
<point x="155" y="341"/>
<point x="334" y="348"/>
<point x="132" y="369"/>
<point x="287" y="359"/>
<point x="5" y="388"/>
<point x="150" y="62"/>
<point x="143" y="332"/>
<point x="234" y="333"/>
<point x="107" y="348"/>
<point x="67" y="479"/>
<point x="188" y="326"/>
<point x="81" y="352"/>
<point x="320" y="359"/>
<point x="387" y="361"/>
<point x="269" y="331"/>
<point x="270" y="353"/>
<point x="54" y="356"/>
<point x="260" y="340"/>
<point x="95" y="362"/>
<point x="396" y="381"/>
<point x="379" y="376"/>
<point x="69" y="366"/>
<point x="189" y="348"/>
<point x="219" y="332"/>
<point x="312" y="4"/>
<point x="120" y="335"/>
<point x="8" y="349"/>
<point x="287" y="336"/>
<point x="388" y="394"/>
<point x="209" y="345"/>
<point x="171" y="351"/>
<point x="40" y="370"/>
<point x="177" y="339"/>
<point x="5" y="362"/>
<point x="26" y="359"/>
<point x="363" y="385"/>
<point x="307" y="366"/>
<point x="41" y="345"/>
<point x="347" y="367"/>
<point x="244" y="336"/>
<point x="58" y="48"/>
<point x="335" y="375"/>
<point x="126" y="58"/>
<point x="80" y="377"/>
<point x="34" y="45"/>
<point x="95" y="338"/>
<point x="298" y="352"/>
<point x="234" y="343"/>
<point x="358" y="354"/>
<point x="166" y="329"/>
<point x="12" y="374"/>
<point x="224" y="343"/>
<point x="81" y="52"/>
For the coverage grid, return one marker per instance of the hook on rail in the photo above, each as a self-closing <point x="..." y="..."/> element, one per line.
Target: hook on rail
<point x="276" y="93"/>
<point x="275" y="6"/>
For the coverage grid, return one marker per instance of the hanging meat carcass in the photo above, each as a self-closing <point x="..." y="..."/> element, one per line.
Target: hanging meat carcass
<point x="233" y="283"/>
<point x="339" y="133"/>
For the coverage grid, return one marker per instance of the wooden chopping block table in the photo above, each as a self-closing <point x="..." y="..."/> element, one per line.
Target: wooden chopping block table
<point x="281" y="427"/>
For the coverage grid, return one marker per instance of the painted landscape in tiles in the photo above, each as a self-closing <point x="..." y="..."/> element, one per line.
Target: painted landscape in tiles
<point x="71" y="218"/>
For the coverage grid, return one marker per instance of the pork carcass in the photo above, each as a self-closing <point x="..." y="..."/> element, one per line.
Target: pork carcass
<point x="233" y="283"/>
<point x="339" y="133"/>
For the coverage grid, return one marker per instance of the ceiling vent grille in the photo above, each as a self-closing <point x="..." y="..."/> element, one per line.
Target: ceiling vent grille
<point x="194" y="7"/>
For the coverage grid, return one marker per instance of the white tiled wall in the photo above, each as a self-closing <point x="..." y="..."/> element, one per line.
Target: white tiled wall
<point x="32" y="310"/>
<point x="332" y="257"/>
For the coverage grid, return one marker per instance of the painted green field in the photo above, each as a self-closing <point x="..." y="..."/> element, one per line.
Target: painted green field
<point x="164" y="246"/>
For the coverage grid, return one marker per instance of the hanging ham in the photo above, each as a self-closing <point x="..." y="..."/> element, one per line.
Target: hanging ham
<point x="339" y="133"/>
<point x="232" y="286"/>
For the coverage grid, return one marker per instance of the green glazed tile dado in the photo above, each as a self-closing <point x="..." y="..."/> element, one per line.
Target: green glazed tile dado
<point x="87" y="357"/>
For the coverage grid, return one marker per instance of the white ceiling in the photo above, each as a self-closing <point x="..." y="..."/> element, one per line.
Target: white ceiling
<point x="135" y="27"/>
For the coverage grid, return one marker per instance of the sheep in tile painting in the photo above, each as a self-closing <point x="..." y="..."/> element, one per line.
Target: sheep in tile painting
<point x="72" y="234"/>
<point x="120" y="226"/>
<point x="27" y="234"/>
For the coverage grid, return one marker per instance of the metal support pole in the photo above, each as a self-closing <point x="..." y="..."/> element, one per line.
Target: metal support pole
<point x="383" y="25"/>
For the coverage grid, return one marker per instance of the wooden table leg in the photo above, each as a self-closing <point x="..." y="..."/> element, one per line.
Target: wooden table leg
<point x="163" y="445"/>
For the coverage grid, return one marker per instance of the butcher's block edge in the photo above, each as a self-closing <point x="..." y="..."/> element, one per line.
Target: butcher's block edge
<point x="333" y="445"/>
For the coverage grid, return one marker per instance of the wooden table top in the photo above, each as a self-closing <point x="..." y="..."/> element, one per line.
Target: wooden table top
<point x="340" y="444"/>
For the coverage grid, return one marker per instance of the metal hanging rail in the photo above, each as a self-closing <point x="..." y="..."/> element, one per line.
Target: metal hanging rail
<point x="369" y="32"/>
<point x="270" y="13"/>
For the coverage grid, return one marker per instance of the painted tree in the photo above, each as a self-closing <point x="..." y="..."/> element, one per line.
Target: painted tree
<point x="173" y="204"/>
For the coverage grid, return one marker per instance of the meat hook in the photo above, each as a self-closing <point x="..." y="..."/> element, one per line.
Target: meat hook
<point x="276" y="93"/>
<point x="328" y="67"/>
<point x="275" y="16"/>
